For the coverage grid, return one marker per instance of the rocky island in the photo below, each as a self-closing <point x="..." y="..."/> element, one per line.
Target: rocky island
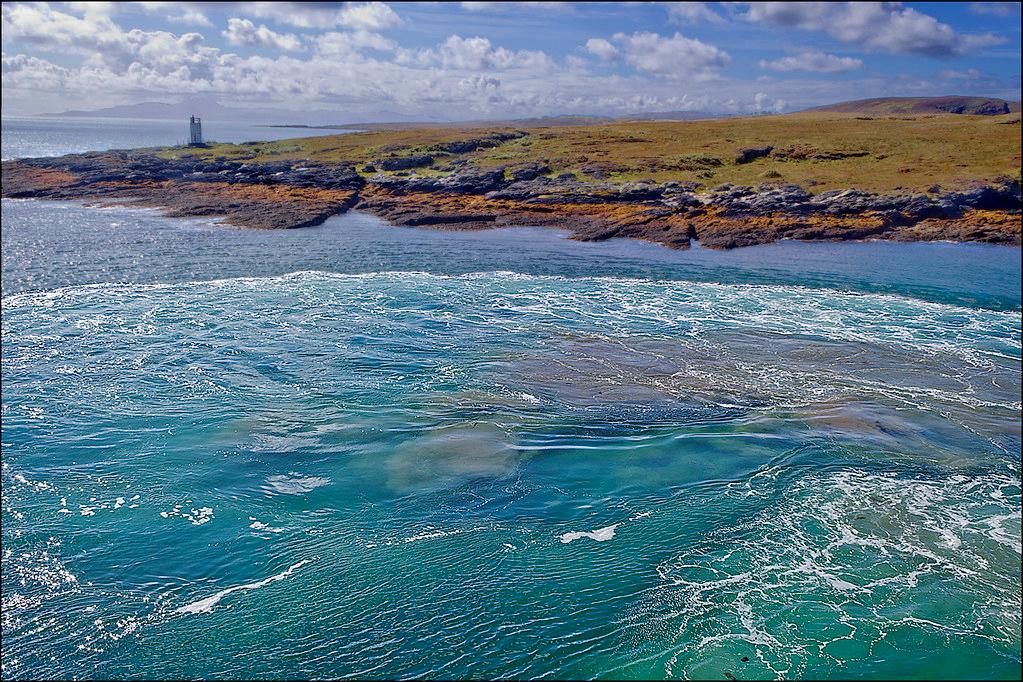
<point x="726" y="183"/>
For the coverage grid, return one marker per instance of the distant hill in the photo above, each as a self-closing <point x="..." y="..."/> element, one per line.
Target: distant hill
<point x="542" y="122"/>
<point x="209" y="108"/>
<point x="677" y="116"/>
<point x="890" y="106"/>
<point x="538" y="122"/>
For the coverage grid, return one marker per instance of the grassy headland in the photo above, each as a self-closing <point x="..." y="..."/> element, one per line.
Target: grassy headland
<point x="725" y="182"/>
<point x="818" y="151"/>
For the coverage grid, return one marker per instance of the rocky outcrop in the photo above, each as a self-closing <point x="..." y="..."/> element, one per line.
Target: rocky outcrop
<point x="752" y="153"/>
<point x="278" y="195"/>
<point x="393" y="163"/>
<point x="471" y="145"/>
<point x="466" y="181"/>
<point x="287" y="194"/>
<point x="803" y="152"/>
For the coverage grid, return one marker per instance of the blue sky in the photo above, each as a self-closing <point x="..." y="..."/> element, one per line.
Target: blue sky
<point x="375" y="61"/>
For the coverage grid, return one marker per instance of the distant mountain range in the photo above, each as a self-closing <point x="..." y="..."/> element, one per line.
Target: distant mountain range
<point x="537" y="122"/>
<point x="213" y="110"/>
<point x="889" y="106"/>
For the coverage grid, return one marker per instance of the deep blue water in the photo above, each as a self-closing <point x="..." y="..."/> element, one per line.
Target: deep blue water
<point x="362" y="450"/>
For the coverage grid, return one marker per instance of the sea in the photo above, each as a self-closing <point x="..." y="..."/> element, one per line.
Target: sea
<point x="361" y="450"/>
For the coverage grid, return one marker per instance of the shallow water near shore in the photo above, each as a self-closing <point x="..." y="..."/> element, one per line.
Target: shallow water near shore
<point x="360" y="450"/>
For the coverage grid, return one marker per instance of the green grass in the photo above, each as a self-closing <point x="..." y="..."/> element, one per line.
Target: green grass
<point x="905" y="153"/>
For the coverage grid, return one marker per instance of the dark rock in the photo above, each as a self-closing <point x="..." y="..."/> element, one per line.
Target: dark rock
<point x="674" y="186"/>
<point x="393" y="163"/>
<point x="748" y="154"/>
<point x="447" y="219"/>
<point x="530" y="172"/>
<point x="466" y="146"/>
<point x="465" y="182"/>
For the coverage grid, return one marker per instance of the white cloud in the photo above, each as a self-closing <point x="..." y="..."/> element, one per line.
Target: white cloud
<point x="368" y="16"/>
<point x="355" y="72"/>
<point x="575" y="63"/>
<point x="346" y="43"/>
<point x="675" y="56"/>
<point x="883" y="26"/>
<point x="814" y="61"/>
<point x="31" y="72"/>
<point x="244" y="32"/>
<point x="42" y="25"/>
<point x="762" y="102"/>
<point x="967" y="75"/>
<point x="175" y="12"/>
<point x="478" y="53"/>
<point x="692" y="12"/>
<point x="602" y="48"/>
<point x="105" y="44"/>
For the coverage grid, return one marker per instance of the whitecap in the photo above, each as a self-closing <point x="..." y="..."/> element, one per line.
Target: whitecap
<point x="600" y="535"/>
<point x="206" y="605"/>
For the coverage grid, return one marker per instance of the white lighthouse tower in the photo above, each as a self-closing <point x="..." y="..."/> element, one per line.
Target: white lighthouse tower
<point x="195" y="131"/>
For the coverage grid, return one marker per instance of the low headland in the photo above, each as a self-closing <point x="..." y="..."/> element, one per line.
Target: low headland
<point x="728" y="182"/>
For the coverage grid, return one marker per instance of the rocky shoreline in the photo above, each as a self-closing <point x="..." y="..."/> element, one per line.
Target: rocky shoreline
<point x="293" y="194"/>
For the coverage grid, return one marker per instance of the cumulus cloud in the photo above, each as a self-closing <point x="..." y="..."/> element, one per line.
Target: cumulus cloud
<point x="885" y="26"/>
<point x="478" y="53"/>
<point x="42" y="25"/>
<point x="691" y="13"/>
<point x="602" y="48"/>
<point x="762" y="102"/>
<point x="104" y="43"/>
<point x="174" y="12"/>
<point x="354" y="71"/>
<point x="367" y="16"/>
<point x="244" y="32"/>
<point x="675" y="56"/>
<point x="350" y="42"/>
<point x="814" y="61"/>
<point x="23" y="71"/>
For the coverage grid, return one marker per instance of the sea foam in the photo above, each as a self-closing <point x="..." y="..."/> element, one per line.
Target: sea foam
<point x="206" y="605"/>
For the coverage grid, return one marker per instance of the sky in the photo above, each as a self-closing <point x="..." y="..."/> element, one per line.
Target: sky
<point x="376" y="61"/>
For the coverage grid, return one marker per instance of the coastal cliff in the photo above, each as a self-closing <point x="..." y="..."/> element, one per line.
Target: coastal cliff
<point x="459" y="182"/>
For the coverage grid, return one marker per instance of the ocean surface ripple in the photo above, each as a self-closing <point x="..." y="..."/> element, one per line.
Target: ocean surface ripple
<point x="503" y="475"/>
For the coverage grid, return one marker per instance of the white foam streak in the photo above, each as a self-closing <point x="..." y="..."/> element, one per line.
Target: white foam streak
<point x="206" y="605"/>
<point x="600" y="535"/>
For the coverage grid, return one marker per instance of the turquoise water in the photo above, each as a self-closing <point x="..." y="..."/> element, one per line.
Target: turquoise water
<point x="359" y="450"/>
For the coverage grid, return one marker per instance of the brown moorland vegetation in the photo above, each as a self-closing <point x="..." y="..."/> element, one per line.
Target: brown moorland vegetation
<point x="819" y="151"/>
